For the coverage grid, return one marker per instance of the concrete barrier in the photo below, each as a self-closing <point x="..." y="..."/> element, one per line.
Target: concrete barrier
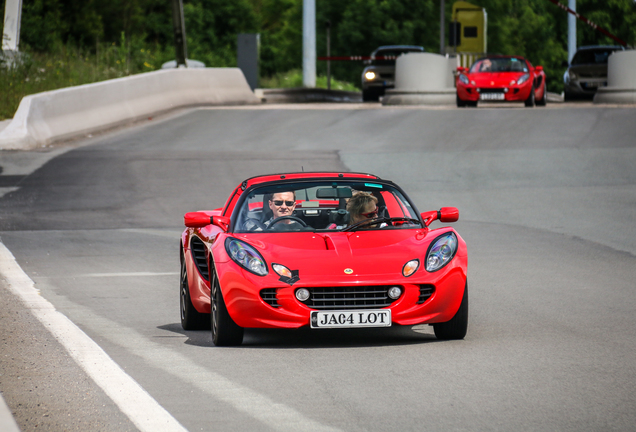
<point x="423" y="79"/>
<point x="621" y="80"/>
<point x="60" y="114"/>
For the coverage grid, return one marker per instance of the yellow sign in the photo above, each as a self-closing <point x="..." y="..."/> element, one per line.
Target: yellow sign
<point x="468" y="29"/>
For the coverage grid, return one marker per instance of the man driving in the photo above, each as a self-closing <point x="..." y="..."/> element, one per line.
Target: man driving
<point x="282" y="204"/>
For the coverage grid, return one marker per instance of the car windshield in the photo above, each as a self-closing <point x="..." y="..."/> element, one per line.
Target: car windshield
<point x="592" y="56"/>
<point x="324" y="206"/>
<point x="499" y="64"/>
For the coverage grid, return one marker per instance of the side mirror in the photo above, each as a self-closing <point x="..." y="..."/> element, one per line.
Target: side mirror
<point x="461" y="69"/>
<point x="202" y="219"/>
<point x="196" y="219"/>
<point x="538" y="68"/>
<point x="448" y="214"/>
<point x="445" y="214"/>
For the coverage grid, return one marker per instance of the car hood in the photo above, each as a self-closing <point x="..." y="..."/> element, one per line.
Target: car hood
<point x="361" y="253"/>
<point x="591" y="70"/>
<point x="495" y="79"/>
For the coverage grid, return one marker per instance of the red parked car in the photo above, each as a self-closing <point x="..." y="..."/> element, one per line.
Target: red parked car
<point x="322" y="250"/>
<point x="501" y="78"/>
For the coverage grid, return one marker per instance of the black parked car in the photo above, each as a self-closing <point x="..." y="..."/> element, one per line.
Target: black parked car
<point x="379" y="75"/>
<point x="588" y="71"/>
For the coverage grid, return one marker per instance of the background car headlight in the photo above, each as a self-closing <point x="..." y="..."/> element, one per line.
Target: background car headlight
<point x="369" y="75"/>
<point x="441" y="252"/>
<point x="523" y="79"/>
<point x="246" y="256"/>
<point x="463" y="78"/>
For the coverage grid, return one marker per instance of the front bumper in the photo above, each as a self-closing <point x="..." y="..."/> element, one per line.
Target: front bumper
<point x="513" y="94"/>
<point x="241" y="292"/>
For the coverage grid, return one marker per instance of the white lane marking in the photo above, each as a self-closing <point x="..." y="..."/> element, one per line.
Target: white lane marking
<point x="6" y="190"/>
<point x="129" y="274"/>
<point x="274" y="415"/>
<point x="128" y="395"/>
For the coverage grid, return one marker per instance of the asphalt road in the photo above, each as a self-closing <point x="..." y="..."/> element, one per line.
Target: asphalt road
<point x="547" y="200"/>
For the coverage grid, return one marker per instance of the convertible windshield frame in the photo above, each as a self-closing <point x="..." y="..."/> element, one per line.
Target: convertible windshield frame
<point x="306" y="190"/>
<point x="501" y="64"/>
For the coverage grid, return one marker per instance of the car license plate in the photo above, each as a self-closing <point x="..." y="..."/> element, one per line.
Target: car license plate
<point x="491" y="96"/>
<point x="347" y="319"/>
<point x="594" y="84"/>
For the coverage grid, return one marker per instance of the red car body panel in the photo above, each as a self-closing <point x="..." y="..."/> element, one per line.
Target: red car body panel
<point x="372" y="257"/>
<point x="468" y="92"/>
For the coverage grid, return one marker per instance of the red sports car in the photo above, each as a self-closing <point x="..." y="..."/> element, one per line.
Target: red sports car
<point x="324" y="250"/>
<point x="501" y="78"/>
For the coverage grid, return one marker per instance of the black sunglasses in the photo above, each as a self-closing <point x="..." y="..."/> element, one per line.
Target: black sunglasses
<point x="279" y="203"/>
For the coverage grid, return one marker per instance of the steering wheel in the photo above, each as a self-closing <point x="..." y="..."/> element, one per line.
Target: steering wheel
<point x="254" y="224"/>
<point x="282" y="218"/>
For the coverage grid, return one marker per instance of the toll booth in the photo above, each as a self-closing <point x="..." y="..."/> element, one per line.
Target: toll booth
<point x="468" y="30"/>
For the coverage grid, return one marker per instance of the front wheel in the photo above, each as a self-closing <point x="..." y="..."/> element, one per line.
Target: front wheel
<point x="225" y="332"/>
<point x="460" y="103"/>
<point x="457" y="327"/>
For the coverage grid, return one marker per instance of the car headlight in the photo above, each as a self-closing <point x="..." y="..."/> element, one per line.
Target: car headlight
<point x="370" y="75"/>
<point x="410" y="267"/>
<point x="572" y="75"/>
<point x="463" y="78"/>
<point x="441" y="251"/>
<point x="524" y="78"/>
<point x="246" y="256"/>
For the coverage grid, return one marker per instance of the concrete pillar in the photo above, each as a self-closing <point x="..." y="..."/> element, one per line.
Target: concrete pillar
<point x="571" y="31"/>
<point x="422" y="79"/>
<point x="11" y="27"/>
<point x="309" y="43"/>
<point x="621" y="80"/>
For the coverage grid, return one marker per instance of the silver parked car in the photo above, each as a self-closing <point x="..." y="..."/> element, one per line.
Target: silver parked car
<point x="379" y="75"/>
<point x="588" y="71"/>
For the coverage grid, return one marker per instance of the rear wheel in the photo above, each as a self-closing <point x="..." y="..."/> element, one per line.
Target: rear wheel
<point x="225" y="332"/>
<point x="542" y="101"/>
<point x="457" y="327"/>
<point x="530" y="101"/>
<point x="191" y="319"/>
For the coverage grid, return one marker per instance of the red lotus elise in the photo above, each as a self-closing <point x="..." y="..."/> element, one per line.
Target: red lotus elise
<point x="501" y="79"/>
<point x="323" y="250"/>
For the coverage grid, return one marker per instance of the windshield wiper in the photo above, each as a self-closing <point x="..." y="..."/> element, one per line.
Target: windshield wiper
<point x="381" y="220"/>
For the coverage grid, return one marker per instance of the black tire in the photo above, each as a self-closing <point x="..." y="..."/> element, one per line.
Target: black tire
<point x="457" y="327"/>
<point x="370" y="95"/>
<point x="191" y="319"/>
<point x="225" y="332"/>
<point x="530" y="101"/>
<point x="471" y="104"/>
<point x="460" y="103"/>
<point x="543" y="100"/>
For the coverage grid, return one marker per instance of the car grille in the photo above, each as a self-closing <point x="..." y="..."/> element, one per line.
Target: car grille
<point x="359" y="297"/>
<point x="199" y="254"/>
<point x="426" y="291"/>
<point x="269" y="296"/>
<point x="491" y="90"/>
